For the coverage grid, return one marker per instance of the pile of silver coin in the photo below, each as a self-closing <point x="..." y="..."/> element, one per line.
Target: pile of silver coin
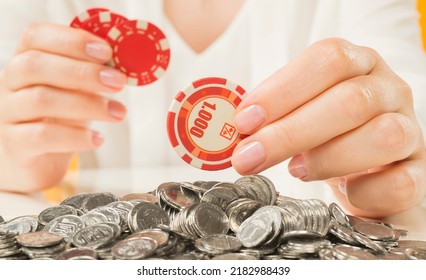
<point x="244" y="220"/>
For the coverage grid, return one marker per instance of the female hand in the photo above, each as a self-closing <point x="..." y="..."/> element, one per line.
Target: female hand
<point x="343" y="116"/>
<point x="49" y="92"/>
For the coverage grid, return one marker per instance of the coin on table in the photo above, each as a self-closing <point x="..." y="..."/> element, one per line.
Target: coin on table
<point x="51" y="213"/>
<point x="75" y="201"/>
<point x="160" y="236"/>
<point x="65" y="226"/>
<point x="415" y="253"/>
<point x="21" y="225"/>
<point x="348" y="252"/>
<point x="145" y="216"/>
<point x="134" y="249"/>
<point x="94" y="236"/>
<point x="209" y="219"/>
<point x="253" y="232"/>
<point x="75" y="253"/>
<point x="339" y="215"/>
<point x="97" y="200"/>
<point x="92" y="218"/>
<point x="221" y="242"/>
<point x="39" y="239"/>
<point x="235" y="256"/>
<point x="375" y="231"/>
<point x="219" y="196"/>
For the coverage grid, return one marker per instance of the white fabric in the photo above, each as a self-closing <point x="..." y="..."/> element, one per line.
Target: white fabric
<point x="264" y="36"/>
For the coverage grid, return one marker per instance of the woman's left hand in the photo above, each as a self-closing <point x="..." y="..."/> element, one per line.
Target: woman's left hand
<point x="343" y="116"/>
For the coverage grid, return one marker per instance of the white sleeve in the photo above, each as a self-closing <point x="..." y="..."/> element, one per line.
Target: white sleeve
<point x="392" y="28"/>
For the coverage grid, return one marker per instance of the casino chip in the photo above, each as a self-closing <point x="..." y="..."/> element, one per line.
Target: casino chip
<point x="79" y="20"/>
<point x="140" y="50"/>
<point x="200" y="123"/>
<point x="102" y="22"/>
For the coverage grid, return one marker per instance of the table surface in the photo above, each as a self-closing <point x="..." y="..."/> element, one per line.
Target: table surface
<point x="123" y="181"/>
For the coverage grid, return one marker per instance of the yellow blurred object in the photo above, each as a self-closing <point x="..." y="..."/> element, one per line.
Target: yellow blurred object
<point x="421" y="5"/>
<point x="67" y="187"/>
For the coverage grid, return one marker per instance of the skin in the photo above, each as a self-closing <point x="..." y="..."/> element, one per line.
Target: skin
<point x="365" y="140"/>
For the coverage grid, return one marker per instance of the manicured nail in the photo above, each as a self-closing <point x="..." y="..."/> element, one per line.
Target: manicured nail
<point x="249" y="157"/>
<point x="116" y="110"/>
<point x="98" y="51"/>
<point x="342" y="185"/>
<point x="112" y="78"/>
<point x="250" y="119"/>
<point x="297" y="167"/>
<point x="97" y="139"/>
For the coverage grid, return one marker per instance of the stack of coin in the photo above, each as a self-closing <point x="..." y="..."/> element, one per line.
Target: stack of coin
<point x="41" y="245"/>
<point x="9" y="247"/>
<point x="246" y="219"/>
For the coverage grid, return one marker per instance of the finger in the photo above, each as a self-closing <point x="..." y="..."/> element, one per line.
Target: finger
<point x="388" y="138"/>
<point x="64" y="41"/>
<point x="37" y="68"/>
<point x="319" y="67"/>
<point x="29" y="140"/>
<point x="346" y="105"/>
<point x="384" y="193"/>
<point x="46" y="102"/>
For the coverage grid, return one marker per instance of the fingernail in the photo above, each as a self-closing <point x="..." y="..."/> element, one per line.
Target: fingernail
<point x="97" y="139"/>
<point x="98" y="51"/>
<point x="116" y="110"/>
<point x="342" y="185"/>
<point x="250" y="119"/>
<point x="297" y="167"/>
<point x="112" y="78"/>
<point x="249" y="157"/>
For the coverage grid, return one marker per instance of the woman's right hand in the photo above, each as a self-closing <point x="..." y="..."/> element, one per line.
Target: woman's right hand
<point x="49" y="92"/>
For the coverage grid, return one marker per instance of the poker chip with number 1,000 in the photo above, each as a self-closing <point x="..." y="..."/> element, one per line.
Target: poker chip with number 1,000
<point x="200" y="123"/>
<point x="140" y="50"/>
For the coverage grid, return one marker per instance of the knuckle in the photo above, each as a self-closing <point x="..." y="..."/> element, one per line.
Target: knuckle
<point x="80" y="70"/>
<point x="392" y="135"/>
<point x="357" y="101"/>
<point x="283" y="134"/>
<point x="335" y="52"/>
<point x="28" y="63"/>
<point x="40" y="97"/>
<point x="30" y="34"/>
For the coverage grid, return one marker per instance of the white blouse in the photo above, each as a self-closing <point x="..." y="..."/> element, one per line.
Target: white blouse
<point x="264" y="36"/>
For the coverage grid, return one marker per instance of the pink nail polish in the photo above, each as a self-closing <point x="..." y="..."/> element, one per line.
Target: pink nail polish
<point x="249" y="157"/>
<point x="116" y="110"/>
<point x="250" y="119"/>
<point x="297" y="167"/>
<point x="112" y="78"/>
<point x="97" y="139"/>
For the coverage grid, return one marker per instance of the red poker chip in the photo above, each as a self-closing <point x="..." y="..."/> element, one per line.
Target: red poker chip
<point x="101" y="23"/>
<point x="140" y="50"/>
<point x="79" y="20"/>
<point x="200" y="123"/>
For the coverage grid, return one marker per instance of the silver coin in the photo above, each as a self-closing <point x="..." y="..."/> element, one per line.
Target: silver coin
<point x="235" y="256"/>
<point x="134" y="249"/>
<point x="65" y="226"/>
<point x="160" y="236"/>
<point x="1" y="220"/>
<point x="146" y="216"/>
<point x="50" y="251"/>
<point x="21" y="225"/>
<point x="339" y="215"/>
<point x="110" y="213"/>
<point x="221" y="242"/>
<point x="415" y="253"/>
<point x="172" y="194"/>
<point x="97" y="200"/>
<point x="367" y="242"/>
<point x="375" y="231"/>
<point x="76" y="201"/>
<point x="219" y="196"/>
<point x="348" y="252"/>
<point x="92" y="218"/>
<point x="39" y="239"/>
<point x="76" y="253"/>
<point x="254" y="232"/>
<point x="94" y="236"/>
<point x="51" y="213"/>
<point x="123" y="208"/>
<point x="209" y="219"/>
